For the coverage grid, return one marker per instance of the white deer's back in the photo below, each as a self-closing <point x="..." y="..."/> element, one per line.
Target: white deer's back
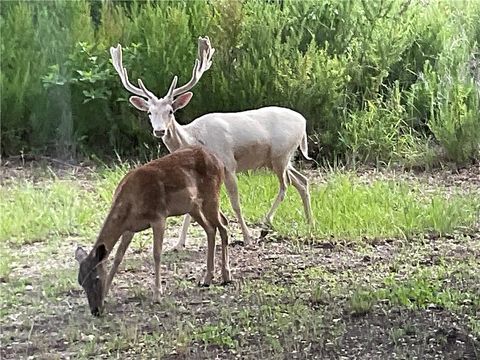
<point x="250" y="139"/>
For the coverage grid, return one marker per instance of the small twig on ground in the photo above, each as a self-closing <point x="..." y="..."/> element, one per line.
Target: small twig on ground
<point x="31" y="330"/>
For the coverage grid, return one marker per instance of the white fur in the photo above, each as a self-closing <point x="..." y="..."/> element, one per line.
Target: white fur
<point x="247" y="140"/>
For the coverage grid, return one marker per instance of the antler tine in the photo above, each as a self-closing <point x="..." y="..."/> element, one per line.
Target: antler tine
<point x="205" y="52"/>
<point x="202" y="64"/>
<point x="116" y="54"/>
<point x="172" y="86"/>
<point x="144" y="89"/>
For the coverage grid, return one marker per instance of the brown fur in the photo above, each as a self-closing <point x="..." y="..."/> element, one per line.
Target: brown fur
<point x="186" y="181"/>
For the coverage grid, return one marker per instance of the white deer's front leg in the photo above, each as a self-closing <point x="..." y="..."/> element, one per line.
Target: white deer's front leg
<point x="183" y="235"/>
<point x="232" y="189"/>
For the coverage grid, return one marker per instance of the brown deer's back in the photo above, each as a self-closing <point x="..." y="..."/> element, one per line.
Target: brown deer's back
<point x="150" y="187"/>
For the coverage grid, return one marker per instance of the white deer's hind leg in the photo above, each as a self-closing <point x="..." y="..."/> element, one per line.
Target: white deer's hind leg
<point x="183" y="235"/>
<point x="283" y="180"/>
<point x="232" y="190"/>
<point x="300" y="182"/>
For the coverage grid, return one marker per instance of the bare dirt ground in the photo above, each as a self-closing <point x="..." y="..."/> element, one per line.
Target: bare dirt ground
<point x="333" y="299"/>
<point x="273" y="295"/>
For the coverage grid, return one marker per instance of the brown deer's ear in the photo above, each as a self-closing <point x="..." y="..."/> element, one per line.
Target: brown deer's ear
<point x="181" y="101"/>
<point x="80" y="254"/>
<point x="101" y="252"/>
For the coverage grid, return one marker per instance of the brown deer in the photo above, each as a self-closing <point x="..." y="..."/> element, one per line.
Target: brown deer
<point x="187" y="181"/>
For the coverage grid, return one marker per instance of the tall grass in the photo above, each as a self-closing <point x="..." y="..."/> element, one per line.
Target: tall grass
<point x="377" y="81"/>
<point x="345" y="208"/>
<point x="342" y="207"/>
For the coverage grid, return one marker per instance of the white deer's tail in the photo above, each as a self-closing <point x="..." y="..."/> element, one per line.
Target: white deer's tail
<point x="304" y="146"/>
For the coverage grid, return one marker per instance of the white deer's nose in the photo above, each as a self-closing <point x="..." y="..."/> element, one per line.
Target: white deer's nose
<point x="158" y="133"/>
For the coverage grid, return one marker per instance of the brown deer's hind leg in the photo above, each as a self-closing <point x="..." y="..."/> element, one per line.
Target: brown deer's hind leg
<point x="122" y="247"/>
<point x="211" y="209"/>
<point x="226" y="274"/>
<point x="158" y="230"/>
<point x="199" y="217"/>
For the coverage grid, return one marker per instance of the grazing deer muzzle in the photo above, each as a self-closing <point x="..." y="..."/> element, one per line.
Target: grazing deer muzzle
<point x="187" y="181"/>
<point x="247" y="140"/>
<point x="92" y="276"/>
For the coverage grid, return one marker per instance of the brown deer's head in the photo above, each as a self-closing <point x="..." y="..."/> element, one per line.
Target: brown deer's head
<point x="92" y="276"/>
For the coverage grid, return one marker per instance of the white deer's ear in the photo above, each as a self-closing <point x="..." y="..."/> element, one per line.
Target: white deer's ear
<point x="80" y="254"/>
<point x="139" y="103"/>
<point x="181" y="101"/>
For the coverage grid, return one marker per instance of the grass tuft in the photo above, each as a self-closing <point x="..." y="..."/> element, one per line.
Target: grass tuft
<point x="344" y="207"/>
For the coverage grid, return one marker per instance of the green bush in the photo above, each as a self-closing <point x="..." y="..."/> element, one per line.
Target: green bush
<point x="377" y="81"/>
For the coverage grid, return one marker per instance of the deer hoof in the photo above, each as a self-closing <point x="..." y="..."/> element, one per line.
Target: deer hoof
<point x="157" y="295"/>
<point x="247" y="239"/>
<point x="179" y="247"/>
<point x="207" y="280"/>
<point x="226" y="277"/>
<point x="227" y="282"/>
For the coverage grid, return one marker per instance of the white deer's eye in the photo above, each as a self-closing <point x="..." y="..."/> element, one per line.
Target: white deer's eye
<point x="171" y="112"/>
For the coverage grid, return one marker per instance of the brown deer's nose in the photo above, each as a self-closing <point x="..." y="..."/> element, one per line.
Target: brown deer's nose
<point x="159" y="133"/>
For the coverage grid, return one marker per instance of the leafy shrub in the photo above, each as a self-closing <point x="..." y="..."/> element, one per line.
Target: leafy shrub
<point x="377" y="81"/>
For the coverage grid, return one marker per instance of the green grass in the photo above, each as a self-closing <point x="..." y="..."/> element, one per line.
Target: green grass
<point x="6" y="259"/>
<point x="32" y="212"/>
<point x="342" y="207"/>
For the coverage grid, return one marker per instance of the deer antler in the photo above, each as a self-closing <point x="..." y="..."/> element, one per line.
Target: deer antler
<point x="116" y="54"/>
<point x="202" y="64"/>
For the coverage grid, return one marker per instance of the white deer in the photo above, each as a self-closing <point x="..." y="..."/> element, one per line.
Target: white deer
<point x="247" y="140"/>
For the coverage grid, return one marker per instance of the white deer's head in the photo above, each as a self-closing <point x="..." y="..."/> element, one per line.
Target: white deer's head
<point x="161" y="110"/>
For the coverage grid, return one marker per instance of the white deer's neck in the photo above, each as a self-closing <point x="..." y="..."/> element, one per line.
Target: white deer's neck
<point x="177" y="137"/>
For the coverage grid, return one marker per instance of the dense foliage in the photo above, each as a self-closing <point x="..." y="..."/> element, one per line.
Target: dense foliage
<point x="386" y="80"/>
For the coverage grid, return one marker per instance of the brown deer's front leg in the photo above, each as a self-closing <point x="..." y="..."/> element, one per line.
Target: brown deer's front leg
<point x="158" y="230"/>
<point x="122" y="248"/>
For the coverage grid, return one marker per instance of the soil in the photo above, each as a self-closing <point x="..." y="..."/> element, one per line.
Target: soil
<point x="38" y="324"/>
